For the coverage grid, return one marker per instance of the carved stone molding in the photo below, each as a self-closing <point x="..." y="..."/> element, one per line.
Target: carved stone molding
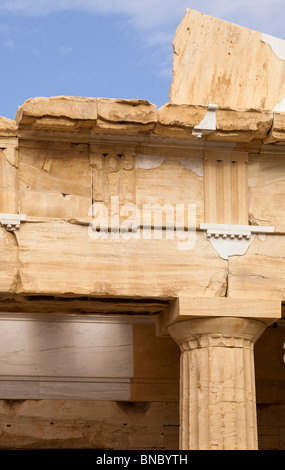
<point x="208" y="123"/>
<point x="11" y="221"/>
<point x="9" y="194"/>
<point x="113" y="171"/>
<point x="226" y="187"/>
<point x="229" y="240"/>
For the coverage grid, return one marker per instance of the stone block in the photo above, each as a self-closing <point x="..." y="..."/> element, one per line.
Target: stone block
<point x="219" y="62"/>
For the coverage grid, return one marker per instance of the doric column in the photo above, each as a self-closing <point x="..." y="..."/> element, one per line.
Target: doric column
<point x="217" y="382"/>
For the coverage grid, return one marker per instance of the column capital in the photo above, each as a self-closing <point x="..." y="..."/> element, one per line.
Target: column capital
<point x="216" y="332"/>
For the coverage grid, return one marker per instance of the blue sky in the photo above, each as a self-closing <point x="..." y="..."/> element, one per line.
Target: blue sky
<point x="105" y="48"/>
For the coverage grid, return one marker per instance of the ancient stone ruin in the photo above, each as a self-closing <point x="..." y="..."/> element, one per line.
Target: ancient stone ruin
<point x="143" y="258"/>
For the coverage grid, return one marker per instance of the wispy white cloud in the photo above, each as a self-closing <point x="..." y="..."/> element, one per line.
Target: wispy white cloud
<point x="5" y="33"/>
<point x="9" y="44"/>
<point x="65" y="50"/>
<point x="151" y="14"/>
<point x="155" y="21"/>
<point x="5" y="29"/>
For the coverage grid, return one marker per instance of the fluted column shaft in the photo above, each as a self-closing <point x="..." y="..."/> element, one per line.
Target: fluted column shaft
<point x="217" y="383"/>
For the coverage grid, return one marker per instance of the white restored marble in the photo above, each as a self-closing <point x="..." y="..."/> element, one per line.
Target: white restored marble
<point x="277" y="44"/>
<point x="148" y="162"/>
<point x="231" y="240"/>
<point x="208" y="123"/>
<point x="230" y="247"/>
<point x="193" y="164"/>
<point x="280" y="107"/>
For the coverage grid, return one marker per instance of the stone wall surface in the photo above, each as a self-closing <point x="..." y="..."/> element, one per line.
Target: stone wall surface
<point x="69" y="424"/>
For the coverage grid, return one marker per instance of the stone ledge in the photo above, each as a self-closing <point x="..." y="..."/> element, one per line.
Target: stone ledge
<point x="8" y="127"/>
<point x="68" y="107"/>
<point x="77" y="117"/>
<point x="232" y="125"/>
<point x="277" y="131"/>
